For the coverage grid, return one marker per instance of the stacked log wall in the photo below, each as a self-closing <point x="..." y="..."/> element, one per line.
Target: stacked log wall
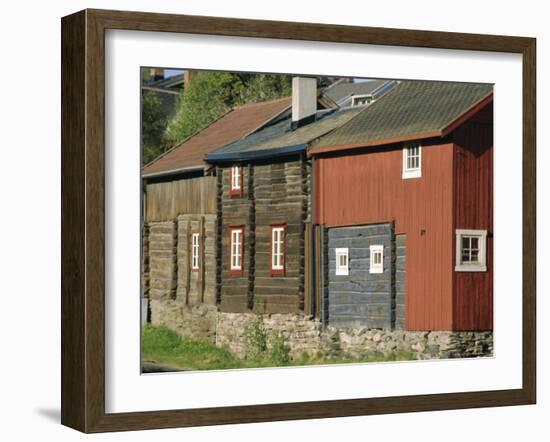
<point x="280" y="197"/>
<point x="196" y="286"/>
<point x="273" y="193"/>
<point x="162" y="260"/>
<point x="235" y="211"/>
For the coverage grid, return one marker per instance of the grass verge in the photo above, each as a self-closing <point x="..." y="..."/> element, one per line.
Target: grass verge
<point x="164" y="347"/>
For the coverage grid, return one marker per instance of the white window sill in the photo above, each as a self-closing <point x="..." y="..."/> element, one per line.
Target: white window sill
<point x="412" y="174"/>
<point x="470" y="268"/>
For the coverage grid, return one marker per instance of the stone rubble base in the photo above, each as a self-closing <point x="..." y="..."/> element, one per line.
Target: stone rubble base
<point x="306" y="335"/>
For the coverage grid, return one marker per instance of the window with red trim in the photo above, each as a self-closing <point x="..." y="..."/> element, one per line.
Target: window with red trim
<point x="195" y="249"/>
<point x="236" y="248"/>
<point x="236" y="181"/>
<point x="278" y="249"/>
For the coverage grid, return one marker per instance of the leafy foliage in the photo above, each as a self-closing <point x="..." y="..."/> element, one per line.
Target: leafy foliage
<point x="211" y="94"/>
<point x="256" y="339"/>
<point x="206" y="98"/>
<point x="153" y="125"/>
<point x="279" y="351"/>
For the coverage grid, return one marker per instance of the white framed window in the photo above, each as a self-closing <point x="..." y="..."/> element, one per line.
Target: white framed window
<point x="236" y="264"/>
<point x="471" y="250"/>
<point x="361" y="100"/>
<point x="342" y="261"/>
<point x="236" y="180"/>
<point x="195" y="238"/>
<point x="412" y="160"/>
<point x="277" y="249"/>
<point x="376" y="259"/>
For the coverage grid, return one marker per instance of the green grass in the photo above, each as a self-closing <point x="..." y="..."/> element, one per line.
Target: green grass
<point x="164" y="347"/>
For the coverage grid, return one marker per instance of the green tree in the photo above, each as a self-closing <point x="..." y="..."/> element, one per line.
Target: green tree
<point x="153" y="126"/>
<point x="211" y="94"/>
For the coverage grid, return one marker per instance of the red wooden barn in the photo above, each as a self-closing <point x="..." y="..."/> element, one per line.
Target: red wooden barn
<point x="404" y="191"/>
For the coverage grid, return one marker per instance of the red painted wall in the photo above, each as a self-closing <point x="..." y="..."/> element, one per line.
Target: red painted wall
<point x="455" y="191"/>
<point x="473" y="209"/>
<point x="367" y="187"/>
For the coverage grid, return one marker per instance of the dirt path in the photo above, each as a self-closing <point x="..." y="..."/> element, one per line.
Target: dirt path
<point x="155" y="367"/>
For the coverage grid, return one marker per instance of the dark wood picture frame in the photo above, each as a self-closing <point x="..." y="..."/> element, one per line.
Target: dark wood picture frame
<point x="83" y="216"/>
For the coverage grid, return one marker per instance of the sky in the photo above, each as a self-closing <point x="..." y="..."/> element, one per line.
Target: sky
<point x="172" y="72"/>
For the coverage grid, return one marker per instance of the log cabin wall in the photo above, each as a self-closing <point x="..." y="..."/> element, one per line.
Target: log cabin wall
<point x="196" y="285"/>
<point x="145" y="271"/>
<point x="473" y="209"/>
<point x="273" y="193"/>
<point x="366" y="187"/>
<point x="400" y="280"/>
<point x="173" y="210"/>
<point x="360" y="298"/>
<point x="280" y="198"/>
<point x="234" y="211"/>
<point x="163" y="270"/>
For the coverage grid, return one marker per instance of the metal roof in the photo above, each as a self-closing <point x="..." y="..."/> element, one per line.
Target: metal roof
<point x="280" y="139"/>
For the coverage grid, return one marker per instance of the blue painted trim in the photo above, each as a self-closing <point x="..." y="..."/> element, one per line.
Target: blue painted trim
<point x="255" y="154"/>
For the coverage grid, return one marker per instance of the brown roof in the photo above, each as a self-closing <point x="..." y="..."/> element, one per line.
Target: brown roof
<point x="232" y="126"/>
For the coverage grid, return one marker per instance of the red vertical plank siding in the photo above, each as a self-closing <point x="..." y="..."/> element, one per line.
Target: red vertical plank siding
<point x="367" y="187"/>
<point x="473" y="294"/>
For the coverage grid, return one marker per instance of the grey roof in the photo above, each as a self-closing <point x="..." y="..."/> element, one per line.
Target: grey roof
<point x="280" y="139"/>
<point x="413" y="108"/>
<point x="342" y="90"/>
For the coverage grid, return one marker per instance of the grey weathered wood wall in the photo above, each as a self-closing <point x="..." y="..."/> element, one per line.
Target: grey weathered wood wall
<point x="234" y="211"/>
<point x="166" y="200"/>
<point x="196" y="286"/>
<point x="272" y="193"/>
<point x="168" y="274"/>
<point x="362" y="298"/>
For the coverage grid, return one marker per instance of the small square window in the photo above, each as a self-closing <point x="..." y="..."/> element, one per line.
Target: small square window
<point x="361" y="100"/>
<point x="377" y="259"/>
<point x="471" y="250"/>
<point x="342" y="261"/>
<point x="412" y="160"/>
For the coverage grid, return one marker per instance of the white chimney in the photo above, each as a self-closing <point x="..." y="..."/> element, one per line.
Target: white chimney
<point x="304" y="100"/>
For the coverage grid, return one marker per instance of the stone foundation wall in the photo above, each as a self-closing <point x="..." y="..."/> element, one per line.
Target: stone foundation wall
<point x="302" y="334"/>
<point x="198" y="321"/>
<point x="424" y="345"/>
<point x="306" y="335"/>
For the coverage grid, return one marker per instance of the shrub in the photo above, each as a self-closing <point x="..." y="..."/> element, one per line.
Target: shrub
<point x="279" y="351"/>
<point x="256" y="339"/>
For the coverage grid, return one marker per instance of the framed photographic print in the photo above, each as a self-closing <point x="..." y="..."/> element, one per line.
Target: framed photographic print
<point x="268" y="221"/>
